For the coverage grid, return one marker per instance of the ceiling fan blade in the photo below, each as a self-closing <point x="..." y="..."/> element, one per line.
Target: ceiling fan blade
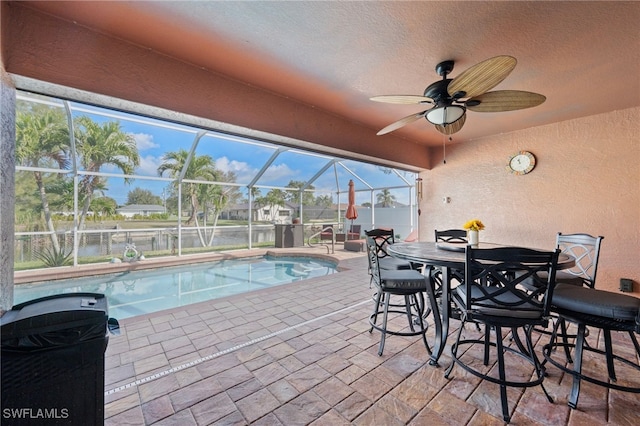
<point x="402" y="122"/>
<point x="402" y="99"/>
<point x="482" y="77"/>
<point x="505" y="100"/>
<point x="452" y="128"/>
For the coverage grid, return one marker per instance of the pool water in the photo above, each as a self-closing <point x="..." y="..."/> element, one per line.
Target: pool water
<point x="142" y="292"/>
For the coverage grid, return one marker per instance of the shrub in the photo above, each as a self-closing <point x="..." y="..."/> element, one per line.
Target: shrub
<point x="51" y="257"/>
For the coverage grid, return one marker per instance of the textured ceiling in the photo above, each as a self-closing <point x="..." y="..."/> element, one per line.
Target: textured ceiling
<point x="583" y="56"/>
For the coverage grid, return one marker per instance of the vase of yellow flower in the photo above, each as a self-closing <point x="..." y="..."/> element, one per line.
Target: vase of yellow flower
<point x="473" y="237"/>
<point x="473" y="227"/>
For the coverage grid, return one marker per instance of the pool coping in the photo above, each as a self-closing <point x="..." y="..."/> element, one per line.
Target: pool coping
<point x="66" y="272"/>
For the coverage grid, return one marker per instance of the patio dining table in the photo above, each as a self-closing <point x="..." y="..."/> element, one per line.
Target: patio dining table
<point x="448" y="257"/>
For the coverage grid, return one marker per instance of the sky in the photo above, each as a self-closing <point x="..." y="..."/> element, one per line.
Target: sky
<point x="243" y="157"/>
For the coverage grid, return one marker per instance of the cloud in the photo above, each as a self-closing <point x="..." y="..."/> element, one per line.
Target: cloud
<point x="144" y="141"/>
<point x="149" y="166"/>
<point x="243" y="171"/>
<point x="277" y="174"/>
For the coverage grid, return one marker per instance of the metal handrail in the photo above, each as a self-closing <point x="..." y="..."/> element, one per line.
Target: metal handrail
<point x="333" y="239"/>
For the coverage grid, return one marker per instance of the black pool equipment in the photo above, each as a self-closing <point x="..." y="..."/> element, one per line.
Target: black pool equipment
<point x="53" y="360"/>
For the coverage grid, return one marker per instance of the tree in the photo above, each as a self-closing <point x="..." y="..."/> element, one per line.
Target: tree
<point x="99" y="145"/>
<point x="274" y="199"/>
<point x="143" y="196"/>
<point x="294" y="195"/>
<point x="256" y="196"/>
<point x="61" y="190"/>
<point x="324" y="200"/>
<point x="171" y="202"/>
<point x="255" y="192"/>
<point x="103" y="207"/>
<point x="42" y="140"/>
<point x="386" y="198"/>
<point x="200" y="168"/>
<point x="30" y="204"/>
<point x="212" y="198"/>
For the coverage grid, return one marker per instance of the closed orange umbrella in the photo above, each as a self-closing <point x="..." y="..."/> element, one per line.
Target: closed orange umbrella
<point x="352" y="212"/>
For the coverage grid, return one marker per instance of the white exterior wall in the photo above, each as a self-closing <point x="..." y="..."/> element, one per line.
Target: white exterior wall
<point x="398" y="218"/>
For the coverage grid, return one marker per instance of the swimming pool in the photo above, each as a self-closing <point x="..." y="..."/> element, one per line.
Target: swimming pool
<point x="142" y="292"/>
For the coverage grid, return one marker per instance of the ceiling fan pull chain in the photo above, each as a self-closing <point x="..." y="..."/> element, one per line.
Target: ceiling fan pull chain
<point x="444" y="149"/>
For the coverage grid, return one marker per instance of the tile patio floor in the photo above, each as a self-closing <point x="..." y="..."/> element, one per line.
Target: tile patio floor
<point x="302" y="354"/>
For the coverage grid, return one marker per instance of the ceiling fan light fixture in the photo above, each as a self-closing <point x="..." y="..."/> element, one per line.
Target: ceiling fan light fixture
<point x="449" y="109"/>
<point x="443" y="115"/>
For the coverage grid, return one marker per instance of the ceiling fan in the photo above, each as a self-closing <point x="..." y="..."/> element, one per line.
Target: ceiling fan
<point x="451" y="98"/>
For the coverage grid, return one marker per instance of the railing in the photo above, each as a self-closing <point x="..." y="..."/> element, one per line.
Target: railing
<point x="317" y="234"/>
<point x="106" y="244"/>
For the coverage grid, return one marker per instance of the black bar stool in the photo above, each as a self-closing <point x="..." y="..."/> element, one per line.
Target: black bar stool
<point x="408" y="283"/>
<point x="597" y="309"/>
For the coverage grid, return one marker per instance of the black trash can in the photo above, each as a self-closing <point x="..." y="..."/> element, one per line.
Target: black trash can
<point x="53" y="360"/>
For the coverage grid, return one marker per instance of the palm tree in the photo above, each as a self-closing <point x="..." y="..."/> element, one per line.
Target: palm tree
<point x="256" y="196"/>
<point x="99" y="145"/>
<point x="211" y="198"/>
<point x="103" y="207"/>
<point x="214" y="199"/>
<point x="200" y="168"/>
<point x="386" y="198"/>
<point x="255" y="192"/>
<point x="42" y="140"/>
<point x="274" y="199"/>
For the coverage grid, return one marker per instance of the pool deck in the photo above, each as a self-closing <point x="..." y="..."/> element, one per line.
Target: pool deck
<point x="302" y="353"/>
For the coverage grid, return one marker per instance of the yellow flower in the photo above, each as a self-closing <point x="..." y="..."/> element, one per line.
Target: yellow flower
<point x="474" y="225"/>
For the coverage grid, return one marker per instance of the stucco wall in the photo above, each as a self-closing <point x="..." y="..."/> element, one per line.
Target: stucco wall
<point x="586" y="179"/>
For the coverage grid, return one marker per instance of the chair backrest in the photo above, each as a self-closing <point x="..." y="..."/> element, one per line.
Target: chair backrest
<point x="493" y="279"/>
<point x="326" y="232"/>
<point x="354" y="232"/>
<point x="585" y="249"/>
<point x="373" y="258"/>
<point x="451" y="236"/>
<point x="381" y="238"/>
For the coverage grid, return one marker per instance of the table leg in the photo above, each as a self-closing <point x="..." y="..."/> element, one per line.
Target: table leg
<point x="441" y="320"/>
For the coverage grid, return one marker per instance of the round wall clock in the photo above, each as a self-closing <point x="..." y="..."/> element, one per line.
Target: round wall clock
<point x="522" y="163"/>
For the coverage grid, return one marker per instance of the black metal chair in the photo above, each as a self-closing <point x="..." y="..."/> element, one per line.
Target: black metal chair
<point x="455" y="276"/>
<point x="382" y="238"/>
<point x="407" y="283"/>
<point x="451" y="236"/>
<point x="597" y="309"/>
<point x="504" y="304"/>
<point x="585" y="249"/>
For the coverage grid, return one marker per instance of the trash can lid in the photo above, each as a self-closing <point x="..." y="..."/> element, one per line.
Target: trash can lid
<point x="54" y="313"/>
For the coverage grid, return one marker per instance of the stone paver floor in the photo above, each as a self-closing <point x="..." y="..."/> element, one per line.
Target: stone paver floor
<point x="302" y="353"/>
